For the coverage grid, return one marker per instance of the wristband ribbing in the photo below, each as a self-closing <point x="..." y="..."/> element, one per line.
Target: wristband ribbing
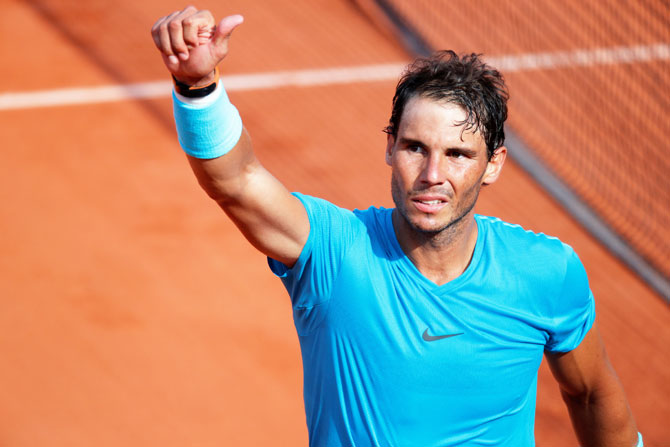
<point x="207" y="129"/>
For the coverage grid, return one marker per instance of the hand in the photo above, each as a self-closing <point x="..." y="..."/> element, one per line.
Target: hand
<point x="191" y="43"/>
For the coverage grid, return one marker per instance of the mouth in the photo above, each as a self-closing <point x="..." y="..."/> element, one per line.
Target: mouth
<point x="429" y="205"/>
<point x="430" y="202"/>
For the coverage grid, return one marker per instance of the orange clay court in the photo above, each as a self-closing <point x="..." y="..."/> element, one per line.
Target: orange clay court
<point x="133" y="313"/>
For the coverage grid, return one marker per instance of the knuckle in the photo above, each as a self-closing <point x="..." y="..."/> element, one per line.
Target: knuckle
<point x="157" y="26"/>
<point x="174" y="25"/>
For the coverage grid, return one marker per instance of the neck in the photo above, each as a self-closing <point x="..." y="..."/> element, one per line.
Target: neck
<point x="440" y="256"/>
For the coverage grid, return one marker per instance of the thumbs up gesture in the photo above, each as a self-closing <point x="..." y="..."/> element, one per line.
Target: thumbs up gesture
<point x="192" y="44"/>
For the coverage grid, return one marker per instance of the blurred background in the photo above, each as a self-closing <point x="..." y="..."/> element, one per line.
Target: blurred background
<point x="133" y="313"/>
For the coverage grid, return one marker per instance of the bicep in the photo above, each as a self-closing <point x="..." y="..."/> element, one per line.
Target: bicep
<point x="271" y="218"/>
<point x="268" y="215"/>
<point x="584" y="370"/>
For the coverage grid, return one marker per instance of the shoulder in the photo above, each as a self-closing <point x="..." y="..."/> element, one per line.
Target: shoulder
<point x="372" y="216"/>
<point x="317" y="205"/>
<point x="540" y="273"/>
<point x="322" y="212"/>
<point x="508" y="237"/>
<point x="537" y="256"/>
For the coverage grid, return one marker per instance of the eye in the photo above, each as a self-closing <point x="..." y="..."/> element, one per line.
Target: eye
<point x="458" y="154"/>
<point x="416" y="149"/>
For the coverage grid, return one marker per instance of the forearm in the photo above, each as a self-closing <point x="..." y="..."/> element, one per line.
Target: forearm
<point x="225" y="178"/>
<point x="594" y="395"/>
<point x="269" y="217"/>
<point x="602" y="418"/>
<point x="211" y="133"/>
<point x="220" y="154"/>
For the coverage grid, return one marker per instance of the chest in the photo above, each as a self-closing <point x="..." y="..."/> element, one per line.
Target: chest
<point x="409" y="334"/>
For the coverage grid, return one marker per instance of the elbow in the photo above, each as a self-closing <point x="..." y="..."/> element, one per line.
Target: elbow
<point x="605" y="393"/>
<point x="583" y="398"/>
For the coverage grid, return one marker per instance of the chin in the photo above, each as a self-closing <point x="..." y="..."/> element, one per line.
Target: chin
<point x="430" y="226"/>
<point x="436" y="224"/>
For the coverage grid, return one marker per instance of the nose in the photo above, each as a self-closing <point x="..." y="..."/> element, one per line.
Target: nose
<point x="434" y="170"/>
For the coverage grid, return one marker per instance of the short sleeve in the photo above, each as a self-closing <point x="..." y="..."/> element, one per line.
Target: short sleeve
<point x="309" y="281"/>
<point x="574" y="308"/>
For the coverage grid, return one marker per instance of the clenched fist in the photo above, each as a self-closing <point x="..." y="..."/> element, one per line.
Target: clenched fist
<point x="192" y="44"/>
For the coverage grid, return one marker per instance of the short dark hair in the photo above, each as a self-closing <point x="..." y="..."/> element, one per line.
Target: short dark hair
<point x="463" y="80"/>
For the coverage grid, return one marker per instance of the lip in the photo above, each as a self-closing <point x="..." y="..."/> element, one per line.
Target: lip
<point x="429" y="208"/>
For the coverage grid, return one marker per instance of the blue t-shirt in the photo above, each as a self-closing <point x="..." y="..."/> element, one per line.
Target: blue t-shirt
<point x="379" y="369"/>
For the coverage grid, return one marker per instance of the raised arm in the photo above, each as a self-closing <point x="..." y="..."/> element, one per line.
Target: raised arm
<point x="274" y="221"/>
<point x="593" y="394"/>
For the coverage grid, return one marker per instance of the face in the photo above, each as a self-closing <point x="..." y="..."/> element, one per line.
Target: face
<point x="438" y="168"/>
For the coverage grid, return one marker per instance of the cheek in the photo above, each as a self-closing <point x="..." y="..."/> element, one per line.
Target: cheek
<point x="470" y="189"/>
<point x="396" y="183"/>
<point x="469" y="178"/>
<point x="406" y="171"/>
<point x="397" y="174"/>
<point x="396" y="194"/>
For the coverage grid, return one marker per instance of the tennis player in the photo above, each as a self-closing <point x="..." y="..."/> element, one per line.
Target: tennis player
<point x="422" y="325"/>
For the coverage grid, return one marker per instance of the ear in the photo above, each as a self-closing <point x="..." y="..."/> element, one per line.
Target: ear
<point x="390" y="143"/>
<point x="494" y="166"/>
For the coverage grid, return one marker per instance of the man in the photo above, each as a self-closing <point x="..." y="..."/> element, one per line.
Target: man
<point x="423" y="325"/>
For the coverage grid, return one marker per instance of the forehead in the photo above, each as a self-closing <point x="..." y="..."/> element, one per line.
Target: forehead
<point x="437" y="123"/>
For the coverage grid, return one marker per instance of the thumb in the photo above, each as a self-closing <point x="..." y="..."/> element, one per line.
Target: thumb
<point x="225" y="29"/>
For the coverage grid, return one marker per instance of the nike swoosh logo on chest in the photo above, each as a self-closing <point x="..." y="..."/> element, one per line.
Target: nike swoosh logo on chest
<point x="428" y="337"/>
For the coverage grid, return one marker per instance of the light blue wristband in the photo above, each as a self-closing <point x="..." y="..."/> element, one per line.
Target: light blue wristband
<point x="207" y="127"/>
<point x="639" y="440"/>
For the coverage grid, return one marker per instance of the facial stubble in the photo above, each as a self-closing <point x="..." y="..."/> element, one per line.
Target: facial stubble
<point x="447" y="231"/>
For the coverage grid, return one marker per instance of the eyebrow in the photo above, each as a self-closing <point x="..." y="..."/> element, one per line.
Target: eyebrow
<point x="412" y="142"/>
